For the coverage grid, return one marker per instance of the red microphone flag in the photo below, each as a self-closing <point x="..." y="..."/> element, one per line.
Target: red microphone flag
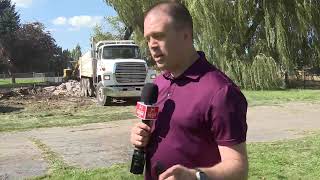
<point x="146" y="112"/>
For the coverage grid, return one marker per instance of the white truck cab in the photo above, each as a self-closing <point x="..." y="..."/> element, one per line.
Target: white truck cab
<point x="114" y="69"/>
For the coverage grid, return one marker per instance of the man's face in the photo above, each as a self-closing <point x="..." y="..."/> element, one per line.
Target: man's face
<point x="165" y="42"/>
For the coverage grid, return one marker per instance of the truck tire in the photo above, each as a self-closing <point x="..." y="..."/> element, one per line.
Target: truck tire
<point x="90" y="88"/>
<point x="86" y="86"/>
<point x="90" y="92"/>
<point x="102" y="99"/>
<point x="84" y="92"/>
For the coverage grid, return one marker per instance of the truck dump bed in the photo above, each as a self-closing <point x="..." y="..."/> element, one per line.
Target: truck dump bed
<point x="86" y="65"/>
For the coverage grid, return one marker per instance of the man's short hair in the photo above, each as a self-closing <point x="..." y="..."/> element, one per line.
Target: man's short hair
<point x="177" y="11"/>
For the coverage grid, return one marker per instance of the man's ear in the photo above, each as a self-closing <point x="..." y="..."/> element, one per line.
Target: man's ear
<point x="187" y="34"/>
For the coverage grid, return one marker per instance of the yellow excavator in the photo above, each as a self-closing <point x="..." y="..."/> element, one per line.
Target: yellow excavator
<point x="72" y="71"/>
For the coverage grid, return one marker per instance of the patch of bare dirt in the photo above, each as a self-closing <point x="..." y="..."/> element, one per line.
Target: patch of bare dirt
<point x="67" y="89"/>
<point x="283" y="121"/>
<point x="43" y="97"/>
<point x="43" y="103"/>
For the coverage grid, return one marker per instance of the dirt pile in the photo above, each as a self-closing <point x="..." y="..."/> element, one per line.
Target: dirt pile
<point x="70" y="88"/>
<point x="10" y="92"/>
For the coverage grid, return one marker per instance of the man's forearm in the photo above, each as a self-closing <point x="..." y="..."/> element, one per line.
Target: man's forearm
<point x="228" y="170"/>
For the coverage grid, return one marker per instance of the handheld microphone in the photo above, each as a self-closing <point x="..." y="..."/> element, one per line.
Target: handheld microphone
<point x="147" y="112"/>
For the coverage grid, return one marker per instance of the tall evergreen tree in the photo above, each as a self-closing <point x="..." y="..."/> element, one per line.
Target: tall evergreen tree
<point x="9" y="18"/>
<point x="9" y="24"/>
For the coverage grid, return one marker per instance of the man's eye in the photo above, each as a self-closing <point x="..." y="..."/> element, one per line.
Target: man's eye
<point x="147" y="39"/>
<point x="158" y="36"/>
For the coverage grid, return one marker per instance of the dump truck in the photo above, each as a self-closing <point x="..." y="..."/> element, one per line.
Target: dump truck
<point x="113" y="69"/>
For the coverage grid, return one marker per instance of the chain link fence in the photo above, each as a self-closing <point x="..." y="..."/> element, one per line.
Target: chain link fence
<point x="39" y="77"/>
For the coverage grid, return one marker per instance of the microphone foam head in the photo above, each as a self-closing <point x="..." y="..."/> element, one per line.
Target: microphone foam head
<point x="149" y="94"/>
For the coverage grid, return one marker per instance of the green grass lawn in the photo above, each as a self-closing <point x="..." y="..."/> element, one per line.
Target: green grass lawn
<point x="57" y="113"/>
<point x="116" y="172"/>
<point x="20" y="81"/>
<point x="277" y="97"/>
<point x="293" y="159"/>
<point x="6" y="83"/>
<point x="48" y="113"/>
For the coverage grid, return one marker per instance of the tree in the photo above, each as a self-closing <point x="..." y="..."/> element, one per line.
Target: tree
<point x="244" y="29"/>
<point x="100" y="35"/>
<point x="131" y="14"/>
<point x="247" y="37"/>
<point x="118" y="31"/>
<point x="9" y="23"/>
<point x="4" y="63"/>
<point x="76" y="53"/>
<point x="59" y="60"/>
<point x="27" y="47"/>
<point x="33" y="48"/>
<point x="9" y="18"/>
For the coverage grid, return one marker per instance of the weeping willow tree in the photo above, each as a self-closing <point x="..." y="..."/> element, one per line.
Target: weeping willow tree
<point x="256" y="42"/>
<point x="241" y="36"/>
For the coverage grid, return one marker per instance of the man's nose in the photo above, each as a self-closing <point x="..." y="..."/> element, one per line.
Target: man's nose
<point x="153" y="43"/>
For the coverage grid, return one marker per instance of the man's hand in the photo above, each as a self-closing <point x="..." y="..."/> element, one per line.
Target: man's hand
<point x="140" y="134"/>
<point x="178" y="172"/>
<point x="233" y="166"/>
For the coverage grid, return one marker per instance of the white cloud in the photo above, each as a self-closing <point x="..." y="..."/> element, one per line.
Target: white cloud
<point x="85" y="21"/>
<point x="51" y="30"/>
<point x="77" y="22"/>
<point x="22" y="3"/>
<point x="60" y="21"/>
<point x="74" y="29"/>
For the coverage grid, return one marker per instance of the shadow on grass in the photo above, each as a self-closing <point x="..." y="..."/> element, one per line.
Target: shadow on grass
<point x="8" y="109"/>
<point x="18" y="85"/>
<point x="125" y="102"/>
<point x="305" y="84"/>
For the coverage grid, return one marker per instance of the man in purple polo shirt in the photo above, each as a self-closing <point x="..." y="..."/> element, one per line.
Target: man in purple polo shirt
<point x="201" y="129"/>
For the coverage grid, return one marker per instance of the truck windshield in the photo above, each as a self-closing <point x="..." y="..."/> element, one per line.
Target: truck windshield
<point x="121" y="52"/>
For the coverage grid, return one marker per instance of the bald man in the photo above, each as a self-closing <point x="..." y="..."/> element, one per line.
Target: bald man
<point x="201" y="129"/>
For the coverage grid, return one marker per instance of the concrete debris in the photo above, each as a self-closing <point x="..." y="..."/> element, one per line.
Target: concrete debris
<point x="49" y="89"/>
<point x="70" y="88"/>
<point x="9" y="92"/>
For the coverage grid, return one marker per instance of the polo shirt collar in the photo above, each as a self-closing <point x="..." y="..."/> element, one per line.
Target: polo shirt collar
<point x="193" y="72"/>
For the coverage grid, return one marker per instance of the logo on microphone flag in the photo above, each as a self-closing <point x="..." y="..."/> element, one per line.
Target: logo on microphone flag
<point x="146" y="112"/>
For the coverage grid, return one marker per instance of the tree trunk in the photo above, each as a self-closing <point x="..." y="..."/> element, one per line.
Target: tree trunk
<point x="286" y="80"/>
<point x="12" y="75"/>
<point x="128" y="33"/>
<point x="13" y="79"/>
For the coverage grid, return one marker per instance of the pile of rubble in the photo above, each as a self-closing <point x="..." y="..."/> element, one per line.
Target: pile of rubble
<point x="70" y="88"/>
<point x="13" y="92"/>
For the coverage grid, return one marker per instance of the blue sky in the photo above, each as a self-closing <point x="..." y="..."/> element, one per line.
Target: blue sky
<point x="69" y="21"/>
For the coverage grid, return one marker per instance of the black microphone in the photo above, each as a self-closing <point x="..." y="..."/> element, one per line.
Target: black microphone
<point x="146" y="112"/>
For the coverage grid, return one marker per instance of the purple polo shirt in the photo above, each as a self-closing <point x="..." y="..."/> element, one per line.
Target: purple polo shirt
<point x="199" y="110"/>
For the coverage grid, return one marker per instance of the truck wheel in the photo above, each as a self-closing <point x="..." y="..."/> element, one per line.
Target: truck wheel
<point x="90" y="88"/>
<point x="90" y="92"/>
<point x="102" y="99"/>
<point x="83" y="87"/>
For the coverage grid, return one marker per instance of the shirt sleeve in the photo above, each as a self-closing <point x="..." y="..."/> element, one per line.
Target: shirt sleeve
<point x="227" y="113"/>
